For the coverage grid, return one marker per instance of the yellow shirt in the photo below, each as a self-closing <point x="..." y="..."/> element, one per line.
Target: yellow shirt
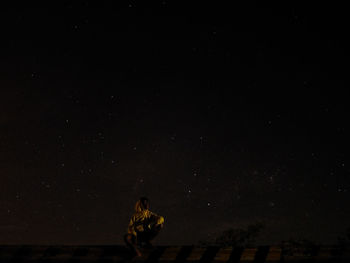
<point x="143" y="218"/>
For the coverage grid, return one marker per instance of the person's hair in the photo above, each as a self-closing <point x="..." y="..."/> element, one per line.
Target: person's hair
<point x="144" y="202"/>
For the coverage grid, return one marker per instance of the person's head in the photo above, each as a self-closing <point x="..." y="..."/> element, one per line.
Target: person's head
<point x="144" y="201"/>
<point x="142" y="204"/>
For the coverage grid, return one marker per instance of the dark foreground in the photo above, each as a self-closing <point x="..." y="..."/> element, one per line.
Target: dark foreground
<point x="76" y="254"/>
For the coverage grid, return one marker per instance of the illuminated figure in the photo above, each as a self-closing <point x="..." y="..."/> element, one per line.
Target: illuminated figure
<point x="143" y="227"/>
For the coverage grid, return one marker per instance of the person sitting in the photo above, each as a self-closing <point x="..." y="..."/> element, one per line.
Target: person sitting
<point x="144" y="226"/>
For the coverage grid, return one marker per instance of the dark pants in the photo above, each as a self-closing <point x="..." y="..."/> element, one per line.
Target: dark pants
<point x="142" y="237"/>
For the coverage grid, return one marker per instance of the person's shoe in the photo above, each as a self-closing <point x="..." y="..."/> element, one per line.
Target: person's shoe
<point x="138" y="252"/>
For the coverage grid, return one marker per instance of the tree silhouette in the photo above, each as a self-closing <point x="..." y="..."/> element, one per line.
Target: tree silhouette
<point x="344" y="241"/>
<point x="235" y="237"/>
<point x="299" y="245"/>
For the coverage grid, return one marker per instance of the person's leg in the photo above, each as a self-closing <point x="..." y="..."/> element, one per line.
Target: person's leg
<point x="147" y="237"/>
<point x="154" y="231"/>
<point x="142" y="238"/>
<point x="130" y="241"/>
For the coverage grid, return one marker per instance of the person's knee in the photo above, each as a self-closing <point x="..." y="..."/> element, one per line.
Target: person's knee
<point x="128" y="238"/>
<point x="155" y="231"/>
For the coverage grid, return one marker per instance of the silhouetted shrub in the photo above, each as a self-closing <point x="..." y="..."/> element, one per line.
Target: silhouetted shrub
<point x="300" y="246"/>
<point x="235" y="237"/>
<point x="344" y="241"/>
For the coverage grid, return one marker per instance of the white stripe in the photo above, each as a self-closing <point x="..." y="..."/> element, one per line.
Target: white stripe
<point x="196" y="254"/>
<point x="248" y="254"/>
<point x="223" y="254"/>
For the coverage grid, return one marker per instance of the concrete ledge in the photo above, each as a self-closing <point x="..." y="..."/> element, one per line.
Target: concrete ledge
<point x="163" y="254"/>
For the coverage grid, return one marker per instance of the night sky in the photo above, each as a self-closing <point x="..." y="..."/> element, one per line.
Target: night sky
<point x="222" y="115"/>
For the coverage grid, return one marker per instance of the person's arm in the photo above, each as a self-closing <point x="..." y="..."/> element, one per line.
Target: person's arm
<point x="158" y="219"/>
<point x="131" y="228"/>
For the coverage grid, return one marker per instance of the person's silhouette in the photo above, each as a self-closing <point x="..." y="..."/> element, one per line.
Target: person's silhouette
<point x="144" y="226"/>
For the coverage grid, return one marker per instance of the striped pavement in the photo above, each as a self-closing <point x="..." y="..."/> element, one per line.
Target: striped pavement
<point x="170" y="254"/>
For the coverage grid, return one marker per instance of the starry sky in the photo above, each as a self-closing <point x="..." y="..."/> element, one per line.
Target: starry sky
<point x="222" y="115"/>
